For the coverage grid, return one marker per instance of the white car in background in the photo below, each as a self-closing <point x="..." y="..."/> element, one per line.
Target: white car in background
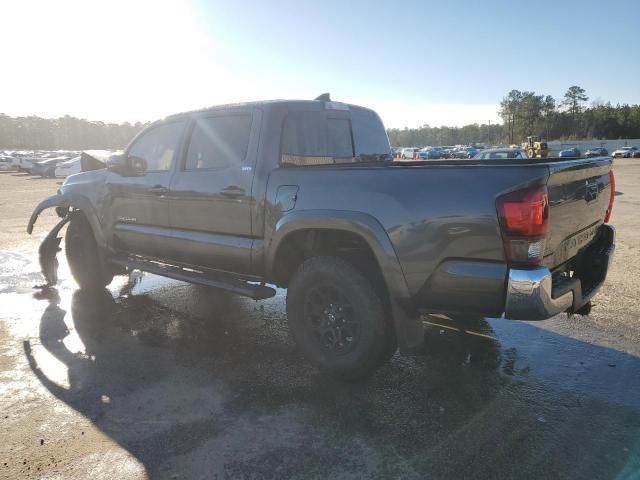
<point x="625" y="152"/>
<point x="6" y="163"/>
<point x="408" y="153"/>
<point x="15" y="162"/>
<point x="69" y="167"/>
<point x="26" y="163"/>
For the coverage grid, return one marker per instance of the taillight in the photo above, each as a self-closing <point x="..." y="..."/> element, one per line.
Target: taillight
<point x="612" y="195"/>
<point x="524" y="220"/>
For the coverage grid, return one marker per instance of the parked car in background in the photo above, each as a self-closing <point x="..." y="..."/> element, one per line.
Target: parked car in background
<point x="625" y="152"/>
<point x="15" y="160"/>
<point x="6" y="163"/>
<point x="596" y="152"/>
<point x="47" y="167"/>
<point x="429" y="153"/>
<point x="408" y="153"/>
<point x="25" y="163"/>
<point x="570" y="152"/>
<point x="471" y="152"/>
<point x="464" y="152"/>
<point x="501" y="154"/>
<point x="70" y="167"/>
<point x="446" y="151"/>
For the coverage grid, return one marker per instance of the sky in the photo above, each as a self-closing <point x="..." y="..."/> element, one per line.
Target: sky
<point x="415" y="62"/>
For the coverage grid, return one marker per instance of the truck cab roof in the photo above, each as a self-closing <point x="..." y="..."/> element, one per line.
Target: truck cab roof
<point x="274" y="104"/>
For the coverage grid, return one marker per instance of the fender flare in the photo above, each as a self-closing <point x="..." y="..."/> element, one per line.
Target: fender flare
<point x="69" y="200"/>
<point x="359" y="223"/>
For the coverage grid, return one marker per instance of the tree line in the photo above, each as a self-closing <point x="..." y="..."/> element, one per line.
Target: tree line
<point x="65" y="133"/>
<point x="524" y="113"/>
<point x="527" y="113"/>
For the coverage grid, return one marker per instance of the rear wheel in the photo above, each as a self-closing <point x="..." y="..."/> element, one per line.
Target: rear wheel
<point x="338" y="319"/>
<point x="82" y="254"/>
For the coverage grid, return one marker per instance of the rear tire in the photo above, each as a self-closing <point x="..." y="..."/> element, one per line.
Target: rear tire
<point x="338" y="319"/>
<point x="82" y="255"/>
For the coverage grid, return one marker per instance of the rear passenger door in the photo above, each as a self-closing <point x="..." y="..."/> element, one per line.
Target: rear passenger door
<point x="210" y="194"/>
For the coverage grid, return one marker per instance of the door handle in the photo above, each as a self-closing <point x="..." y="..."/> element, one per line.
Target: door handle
<point x="233" y="192"/>
<point x="158" y="190"/>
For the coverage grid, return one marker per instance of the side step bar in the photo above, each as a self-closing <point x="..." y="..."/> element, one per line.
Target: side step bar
<point x="211" y="279"/>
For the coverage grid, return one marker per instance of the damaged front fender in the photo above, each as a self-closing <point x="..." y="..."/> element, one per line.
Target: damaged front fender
<point x="67" y="205"/>
<point x="47" y="252"/>
<point x="65" y="201"/>
<point x="53" y="201"/>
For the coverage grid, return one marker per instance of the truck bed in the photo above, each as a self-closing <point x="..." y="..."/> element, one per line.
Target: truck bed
<point x="436" y="211"/>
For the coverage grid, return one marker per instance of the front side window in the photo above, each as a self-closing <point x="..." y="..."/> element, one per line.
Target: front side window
<point x="219" y="142"/>
<point x="158" y="146"/>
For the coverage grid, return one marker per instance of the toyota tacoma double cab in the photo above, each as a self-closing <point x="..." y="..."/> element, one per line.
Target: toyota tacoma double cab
<point x="305" y="196"/>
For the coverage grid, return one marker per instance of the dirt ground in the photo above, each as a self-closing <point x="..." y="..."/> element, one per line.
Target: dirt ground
<point x="154" y="378"/>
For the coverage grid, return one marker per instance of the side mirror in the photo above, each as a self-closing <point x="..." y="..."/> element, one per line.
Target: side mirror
<point x="137" y="165"/>
<point x="118" y="164"/>
<point x="127" y="166"/>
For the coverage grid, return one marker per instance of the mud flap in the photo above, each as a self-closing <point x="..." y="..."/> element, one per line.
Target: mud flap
<point x="409" y="329"/>
<point x="47" y="252"/>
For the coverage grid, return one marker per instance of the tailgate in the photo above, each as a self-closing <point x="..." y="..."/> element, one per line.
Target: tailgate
<point x="579" y="192"/>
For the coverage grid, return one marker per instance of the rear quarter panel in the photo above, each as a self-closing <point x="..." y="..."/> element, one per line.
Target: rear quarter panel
<point x="430" y="213"/>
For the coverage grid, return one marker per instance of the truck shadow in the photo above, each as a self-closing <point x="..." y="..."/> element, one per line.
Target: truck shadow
<point x="230" y="396"/>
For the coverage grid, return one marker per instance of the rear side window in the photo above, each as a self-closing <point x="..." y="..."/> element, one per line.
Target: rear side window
<point x="303" y="135"/>
<point x="218" y="142"/>
<point x="157" y="146"/>
<point x="310" y="138"/>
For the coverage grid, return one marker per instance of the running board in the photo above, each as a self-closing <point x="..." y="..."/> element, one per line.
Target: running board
<point x="221" y="281"/>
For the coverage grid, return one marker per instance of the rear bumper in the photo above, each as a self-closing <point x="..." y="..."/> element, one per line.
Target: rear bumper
<point x="533" y="295"/>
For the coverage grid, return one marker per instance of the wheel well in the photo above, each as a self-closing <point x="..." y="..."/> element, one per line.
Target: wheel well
<point x="77" y="213"/>
<point x="303" y="244"/>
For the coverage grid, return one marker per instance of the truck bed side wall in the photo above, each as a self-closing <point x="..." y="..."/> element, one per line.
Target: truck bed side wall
<point x="431" y="214"/>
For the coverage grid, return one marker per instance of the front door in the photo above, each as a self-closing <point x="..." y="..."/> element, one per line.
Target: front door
<point x="138" y="214"/>
<point x="210" y="199"/>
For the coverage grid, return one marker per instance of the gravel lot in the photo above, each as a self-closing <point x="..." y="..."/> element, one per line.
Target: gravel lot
<point x="155" y="378"/>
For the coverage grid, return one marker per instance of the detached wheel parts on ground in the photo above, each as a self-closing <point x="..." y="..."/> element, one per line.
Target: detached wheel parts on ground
<point x="337" y="318"/>
<point x="82" y="255"/>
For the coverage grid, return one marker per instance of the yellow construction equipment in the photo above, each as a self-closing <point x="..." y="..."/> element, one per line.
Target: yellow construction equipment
<point x="535" y="147"/>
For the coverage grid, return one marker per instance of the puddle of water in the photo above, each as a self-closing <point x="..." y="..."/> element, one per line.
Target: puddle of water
<point x="571" y="364"/>
<point x="167" y="309"/>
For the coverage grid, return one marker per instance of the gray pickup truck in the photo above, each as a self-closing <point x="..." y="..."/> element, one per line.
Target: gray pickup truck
<point x="304" y="195"/>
